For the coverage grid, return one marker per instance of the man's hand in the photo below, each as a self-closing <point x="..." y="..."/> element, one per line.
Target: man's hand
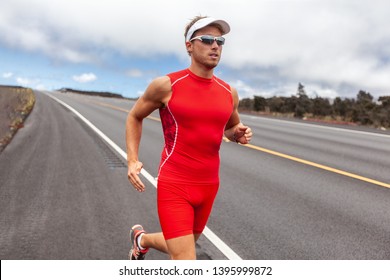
<point x="242" y="134"/>
<point x="133" y="171"/>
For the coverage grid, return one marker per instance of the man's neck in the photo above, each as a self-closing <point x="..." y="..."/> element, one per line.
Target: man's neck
<point x="202" y="71"/>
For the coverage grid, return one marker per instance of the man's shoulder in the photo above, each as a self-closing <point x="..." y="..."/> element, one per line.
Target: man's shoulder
<point x="161" y="84"/>
<point x="174" y="76"/>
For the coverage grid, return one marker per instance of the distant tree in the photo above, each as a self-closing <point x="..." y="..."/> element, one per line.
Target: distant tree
<point x="385" y="101"/>
<point x="384" y="111"/>
<point x="303" y="104"/>
<point x="276" y="104"/>
<point x="321" y="107"/>
<point x="301" y="90"/>
<point x="259" y="103"/>
<point x="363" y="111"/>
<point x="246" y="104"/>
<point x="339" y="107"/>
<point x="290" y="103"/>
<point x="343" y="108"/>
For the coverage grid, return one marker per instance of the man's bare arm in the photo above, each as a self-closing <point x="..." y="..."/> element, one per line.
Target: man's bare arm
<point x="156" y="96"/>
<point x="234" y="129"/>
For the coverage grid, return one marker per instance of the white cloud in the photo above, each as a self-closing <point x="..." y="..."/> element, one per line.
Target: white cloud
<point x="31" y="83"/>
<point x="134" y="73"/>
<point x="85" y="78"/>
<point x="24" y="81"/>
<point x="40" y="87"/>
<point x="7" y="75"/>
<point x="245" y="90"/>
<point x="328" y="43"/>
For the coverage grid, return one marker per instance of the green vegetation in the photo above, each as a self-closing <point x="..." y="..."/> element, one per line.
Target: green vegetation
<point x="96" y="93"/>
<point x="362" y="111"/>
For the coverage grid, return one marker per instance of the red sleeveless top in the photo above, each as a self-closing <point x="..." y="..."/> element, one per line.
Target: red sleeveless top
<point x="193" y="124"/>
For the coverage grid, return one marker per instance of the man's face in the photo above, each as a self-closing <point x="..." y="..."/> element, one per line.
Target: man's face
<point x="205" y="54"/>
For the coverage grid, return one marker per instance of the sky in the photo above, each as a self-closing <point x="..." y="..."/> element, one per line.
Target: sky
<point x="334" y="48"/>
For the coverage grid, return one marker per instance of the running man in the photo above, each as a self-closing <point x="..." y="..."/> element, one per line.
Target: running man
<point x="196" y="109"/>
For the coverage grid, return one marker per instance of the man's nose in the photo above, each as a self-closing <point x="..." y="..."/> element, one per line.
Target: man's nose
<point x="215" y="44"/>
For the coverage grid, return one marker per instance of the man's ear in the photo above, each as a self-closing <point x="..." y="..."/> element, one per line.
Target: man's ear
<point x="189" y="48"/>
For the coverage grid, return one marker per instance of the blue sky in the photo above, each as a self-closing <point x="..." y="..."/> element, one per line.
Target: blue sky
<point x="334" y="47"/>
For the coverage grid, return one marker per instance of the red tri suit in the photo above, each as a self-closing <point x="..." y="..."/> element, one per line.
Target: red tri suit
<point x="193" y="124"/>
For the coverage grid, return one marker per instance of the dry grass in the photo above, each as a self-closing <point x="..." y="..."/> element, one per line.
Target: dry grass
<point x="15" y="105"/>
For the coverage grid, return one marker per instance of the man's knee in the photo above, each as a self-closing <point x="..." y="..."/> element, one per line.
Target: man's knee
<point x="183" y="256"/>
<point x="182" y="248"/>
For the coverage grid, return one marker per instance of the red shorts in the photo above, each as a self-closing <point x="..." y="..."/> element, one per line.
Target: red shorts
<point x="184" y="209"/>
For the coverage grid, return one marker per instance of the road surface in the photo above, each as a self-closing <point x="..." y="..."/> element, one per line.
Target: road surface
<point x="299" y="191"/>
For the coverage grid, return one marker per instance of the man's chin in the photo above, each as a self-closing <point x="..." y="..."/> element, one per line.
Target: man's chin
<point x="211" y="66"/>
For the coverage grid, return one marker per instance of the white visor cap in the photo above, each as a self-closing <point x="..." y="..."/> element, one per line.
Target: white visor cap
<point x="205" y="22"/>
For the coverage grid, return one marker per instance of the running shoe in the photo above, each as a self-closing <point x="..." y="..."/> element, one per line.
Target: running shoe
<point x="136" y="253"/>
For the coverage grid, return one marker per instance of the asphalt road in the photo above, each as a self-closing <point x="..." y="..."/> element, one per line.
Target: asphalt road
<point x="301" y="191"/>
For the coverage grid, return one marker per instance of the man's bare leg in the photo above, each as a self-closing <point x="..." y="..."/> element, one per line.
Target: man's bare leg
<point x="180" y="248"/>
<point x="155" y="241"/>
<point x="183" y="247"/>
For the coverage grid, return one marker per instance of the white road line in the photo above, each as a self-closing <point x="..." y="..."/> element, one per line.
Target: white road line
<point x="222" y="246"/>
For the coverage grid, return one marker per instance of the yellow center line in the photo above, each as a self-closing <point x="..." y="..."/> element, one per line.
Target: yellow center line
<point x="110" y="106"/>
<point x="303" y="161"/>
<point x="320" y="166"/>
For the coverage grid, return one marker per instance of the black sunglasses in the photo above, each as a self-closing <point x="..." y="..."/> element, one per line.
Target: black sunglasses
<point x="209" y="40"/>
